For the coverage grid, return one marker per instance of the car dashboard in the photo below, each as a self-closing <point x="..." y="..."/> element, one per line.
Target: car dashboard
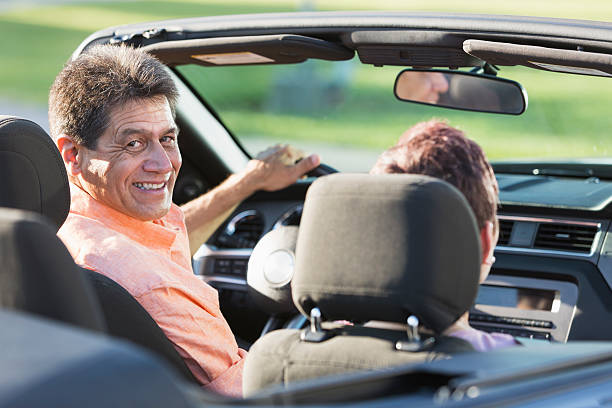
<point x="552" y="279"/>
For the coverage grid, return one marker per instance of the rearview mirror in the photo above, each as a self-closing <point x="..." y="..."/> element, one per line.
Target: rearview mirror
<point x="461" y="90"/>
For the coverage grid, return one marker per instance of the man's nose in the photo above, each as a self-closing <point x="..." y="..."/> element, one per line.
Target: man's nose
<point x="441" y="85"/>
<point x="158" y="159"/>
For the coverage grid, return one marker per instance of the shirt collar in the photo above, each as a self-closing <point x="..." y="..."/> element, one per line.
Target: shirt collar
<point x="156" y="234"/>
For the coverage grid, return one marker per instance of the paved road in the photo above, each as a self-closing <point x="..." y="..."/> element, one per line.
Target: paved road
<point x="36" y="113"/>
<point x="343" y="158"/>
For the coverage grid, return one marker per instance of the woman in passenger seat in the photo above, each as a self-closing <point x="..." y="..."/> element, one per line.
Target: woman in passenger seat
<point x="438" y="150"/>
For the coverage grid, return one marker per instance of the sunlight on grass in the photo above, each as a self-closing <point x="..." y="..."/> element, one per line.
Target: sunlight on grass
<point x="94" y="16"/>
<point x="590" y="10"/>
<point x="77" y="17"/>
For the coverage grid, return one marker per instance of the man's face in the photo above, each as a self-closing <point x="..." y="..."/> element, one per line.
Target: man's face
<point x="421" y="86"/>
<point x="136" y="160"/>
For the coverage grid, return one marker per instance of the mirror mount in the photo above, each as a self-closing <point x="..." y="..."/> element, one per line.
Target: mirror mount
<point x="486" y="68"/>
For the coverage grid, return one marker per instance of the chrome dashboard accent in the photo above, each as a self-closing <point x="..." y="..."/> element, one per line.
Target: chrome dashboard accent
<point x="207" y="251"/>
<point x="206" y="256"/>
<point x="549" y="220"/>
<point x="605" y="260"/>
<point x="231" y="226"/>
<point x="548" y="252"/>
<point x="283" y="218"/>
<point x="223" y="280"/>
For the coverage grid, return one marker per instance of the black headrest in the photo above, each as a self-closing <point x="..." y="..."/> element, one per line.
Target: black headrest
<point x="38" y="274"/>
<point x="33" y="173"/>
<point x="385" y="247"/>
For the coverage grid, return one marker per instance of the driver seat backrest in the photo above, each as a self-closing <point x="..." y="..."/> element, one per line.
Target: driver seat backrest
<point x="38" y="275"/>
<point x="35" y="179"/>
<point x="373" y="248"/>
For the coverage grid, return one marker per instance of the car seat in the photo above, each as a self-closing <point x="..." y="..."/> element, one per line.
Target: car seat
<point x="35" y="179"/>
<point x="38" y="272"/>
<point x="392" y="248"/>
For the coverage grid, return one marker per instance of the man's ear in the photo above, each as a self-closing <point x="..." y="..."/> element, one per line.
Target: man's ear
<point x="69" y="151"/>
<point x="487" y="242"/>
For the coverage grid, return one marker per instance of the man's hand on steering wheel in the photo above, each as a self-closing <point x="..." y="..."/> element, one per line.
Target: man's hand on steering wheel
<point x="278" y="167"/>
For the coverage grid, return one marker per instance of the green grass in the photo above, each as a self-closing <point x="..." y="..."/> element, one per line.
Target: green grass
<point x="567" y="116"/>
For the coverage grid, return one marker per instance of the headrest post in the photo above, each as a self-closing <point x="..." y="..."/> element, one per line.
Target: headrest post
<point x="315" y="320"/>
<point x="315" y="333"/>
<point x="413" y="343"/>
<point x="413" y="328"/>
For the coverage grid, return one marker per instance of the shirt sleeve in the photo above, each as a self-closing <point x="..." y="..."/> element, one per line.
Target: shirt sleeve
<point x="200" y="334"/>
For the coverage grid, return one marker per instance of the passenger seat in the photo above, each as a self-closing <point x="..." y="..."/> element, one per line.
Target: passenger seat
<point x="393" y="248"/>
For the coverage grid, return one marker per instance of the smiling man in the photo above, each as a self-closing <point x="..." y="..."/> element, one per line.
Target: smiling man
<point x="111" y="112"/>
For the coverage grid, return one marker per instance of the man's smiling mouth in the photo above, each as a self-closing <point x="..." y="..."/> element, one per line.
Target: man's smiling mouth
<point x="149" y="186"/>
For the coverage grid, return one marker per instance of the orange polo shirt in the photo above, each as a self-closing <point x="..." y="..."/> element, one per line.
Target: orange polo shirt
<point x="152" y="261"/>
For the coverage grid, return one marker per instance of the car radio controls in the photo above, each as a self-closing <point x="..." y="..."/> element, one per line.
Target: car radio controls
<point x="222" y="266"/>
<point x="474" y="317"/>
<point x="229" y="266"/>
<point x="528" y="334"/>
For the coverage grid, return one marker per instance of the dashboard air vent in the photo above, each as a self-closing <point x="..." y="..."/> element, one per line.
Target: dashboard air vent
<point x="564" y="237"/>
<point x="243" y="231"/>
<point x="291" y="217"/>
<point x="505" y="229"/>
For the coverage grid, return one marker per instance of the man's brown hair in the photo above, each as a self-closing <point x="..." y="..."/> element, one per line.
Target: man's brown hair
<point x="436" y="149"/>
<point x="104" y="77"/>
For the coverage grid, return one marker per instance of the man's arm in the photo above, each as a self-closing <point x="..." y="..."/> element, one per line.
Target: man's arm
<point x="270" y="171"/>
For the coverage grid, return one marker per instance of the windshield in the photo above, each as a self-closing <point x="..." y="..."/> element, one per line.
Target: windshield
<point x="347" y="112"/>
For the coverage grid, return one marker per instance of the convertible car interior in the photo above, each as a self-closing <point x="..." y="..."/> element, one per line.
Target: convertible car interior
<point x="299" y="270"/>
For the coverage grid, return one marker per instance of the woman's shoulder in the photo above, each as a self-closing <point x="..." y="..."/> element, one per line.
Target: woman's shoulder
<point x="483" y="341"/>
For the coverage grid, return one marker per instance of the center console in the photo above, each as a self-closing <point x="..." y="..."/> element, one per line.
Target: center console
<point x="525" y="307"/>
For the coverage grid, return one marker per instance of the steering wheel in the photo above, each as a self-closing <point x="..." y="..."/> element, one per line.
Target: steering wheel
<point x="321" y="170"/>
<point x="269" y="275"/>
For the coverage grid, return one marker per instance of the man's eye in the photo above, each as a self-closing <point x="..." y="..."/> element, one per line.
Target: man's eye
<point x="167" y="139"/>
<point x="134" y="144"/>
